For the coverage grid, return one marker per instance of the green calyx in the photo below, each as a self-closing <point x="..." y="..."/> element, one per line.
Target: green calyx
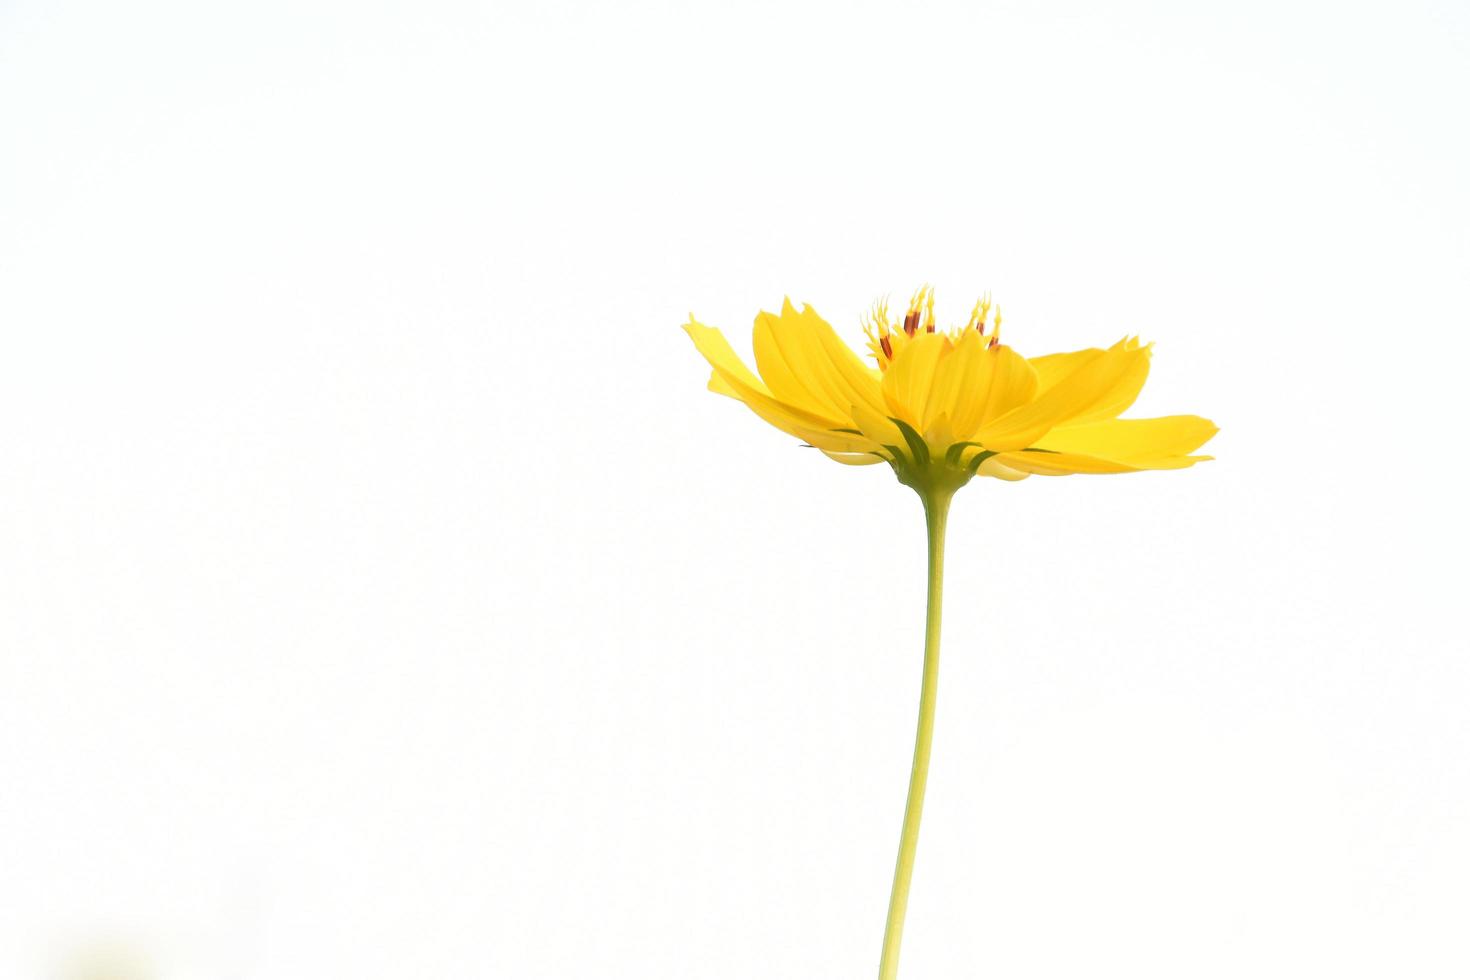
<point x="928" y="474"/>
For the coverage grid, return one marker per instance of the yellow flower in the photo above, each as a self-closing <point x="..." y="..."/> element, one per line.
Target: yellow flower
<point x="940" y="406"/>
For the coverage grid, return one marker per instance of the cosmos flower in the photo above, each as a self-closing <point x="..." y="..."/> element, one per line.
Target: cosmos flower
<point x="941" y="407"/>
<point x="947" y="405"/>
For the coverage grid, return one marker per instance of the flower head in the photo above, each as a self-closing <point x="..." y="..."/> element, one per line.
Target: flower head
<point x="941" y="406"/>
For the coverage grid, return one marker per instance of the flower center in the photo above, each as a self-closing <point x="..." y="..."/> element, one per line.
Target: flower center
<point x="886" y="341"/>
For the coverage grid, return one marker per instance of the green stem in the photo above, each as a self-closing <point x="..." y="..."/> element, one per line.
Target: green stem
<point x="936" y="513"/>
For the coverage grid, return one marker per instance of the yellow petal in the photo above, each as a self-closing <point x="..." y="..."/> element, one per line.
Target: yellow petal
<point x="1133" y="439"/>
<point x="734" y="379"/>
<point x="940" y="434"/>
<point x="1101" y="382"/>
<point x="716" y="349"/>
<point x="768" y="409"/>
<point x="785" y="366"/>
<point x="909" y="380"/>
<point x="737" y="377"/>
<point x="1124" y="391"/>
<point x="854" y="459"/>
<point x="994" y="467"/>
<point x="1013" y="383"/>
<point x="876" y="426"/>
<point x="807" y="365"/>
<point x="1051" y="368"/>
<point x="1064" y="464"/>
<point x="852" y="377"/>
<point x="1060" y="464"/>
<point x="961" y="380"/>
<point x="975" y="383"/>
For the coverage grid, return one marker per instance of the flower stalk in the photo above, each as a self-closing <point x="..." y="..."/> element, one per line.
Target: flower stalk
<point x="936" y="516"/>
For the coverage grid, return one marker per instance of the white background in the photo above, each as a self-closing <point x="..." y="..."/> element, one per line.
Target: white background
<point x="382" y="595"/>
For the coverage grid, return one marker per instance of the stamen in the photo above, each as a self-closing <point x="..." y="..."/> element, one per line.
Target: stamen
<point x="880" y="314"/>
<point x="876" y="326"/>
<point x="884" y="347"/>
<point x="915" y="312"/>
<point x="979" y="313"/>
